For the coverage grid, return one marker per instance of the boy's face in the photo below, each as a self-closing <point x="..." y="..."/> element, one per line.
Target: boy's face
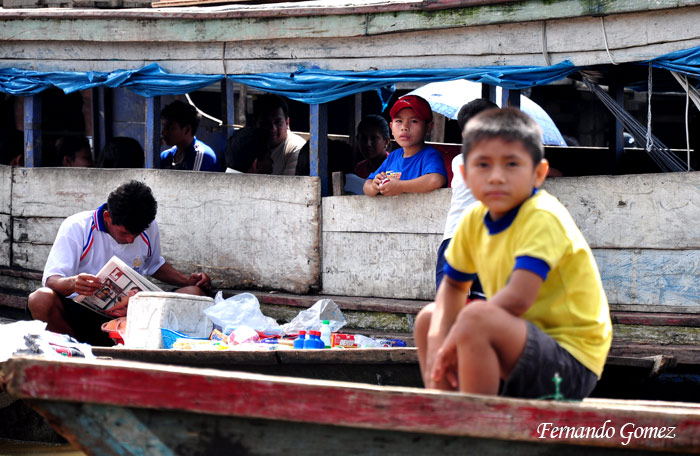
<point x="172" y="134"/>
<point x="408" y="129"/>
<point x="501" y="174"/>
<point x="372" y="143"/>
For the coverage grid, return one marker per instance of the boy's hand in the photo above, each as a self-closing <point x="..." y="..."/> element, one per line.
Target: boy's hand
<point x="391" y="187"/>
<point x="378" y="180"/>
<point x="443" y="374"/>
<point x="86" y="284"/>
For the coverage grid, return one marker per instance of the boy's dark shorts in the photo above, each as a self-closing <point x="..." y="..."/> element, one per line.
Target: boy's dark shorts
<point x="541" y="359"/>
<point x="86" y="324"/>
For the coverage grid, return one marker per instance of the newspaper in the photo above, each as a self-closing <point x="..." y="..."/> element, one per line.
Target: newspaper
<point x="119" y="283"/>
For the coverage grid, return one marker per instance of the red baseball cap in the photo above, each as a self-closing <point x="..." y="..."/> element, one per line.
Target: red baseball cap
<point x="418" y="104"/>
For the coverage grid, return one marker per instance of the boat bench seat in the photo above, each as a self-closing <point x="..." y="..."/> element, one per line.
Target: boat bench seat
<point x="649" y="340"/>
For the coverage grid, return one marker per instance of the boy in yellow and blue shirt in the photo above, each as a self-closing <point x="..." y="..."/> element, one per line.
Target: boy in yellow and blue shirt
<point x="546" y="312"/>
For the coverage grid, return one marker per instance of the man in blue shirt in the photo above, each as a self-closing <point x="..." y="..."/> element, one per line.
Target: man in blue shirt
<point x="179" y="122"/>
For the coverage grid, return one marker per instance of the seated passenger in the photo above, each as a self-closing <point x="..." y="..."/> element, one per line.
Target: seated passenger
<point x="179" y="122"/>
<point x="121" y="152"/>
<point x="415" y="167"/>
<point x="374" y="141"/>
<point x="247" y="152"/>
<point x="271" y="113"/>
<point x="124" y="226"/>
<point x="74" y="152"/>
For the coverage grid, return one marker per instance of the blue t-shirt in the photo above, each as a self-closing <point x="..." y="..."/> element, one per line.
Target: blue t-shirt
<point x="199" y="157"/>
<point x="428" y="160"/>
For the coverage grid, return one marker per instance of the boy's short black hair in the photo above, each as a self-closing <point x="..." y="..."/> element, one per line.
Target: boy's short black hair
<point x="68" y="146"/>
<point x="376" y="122"/>
<point x="121" y="152"/>
<point x="182" y="113"/>
<point x="473" y="108"/>
<point x="265" y="104"/>
<point x="132" y="206"/>
<point x="508" y="124"/>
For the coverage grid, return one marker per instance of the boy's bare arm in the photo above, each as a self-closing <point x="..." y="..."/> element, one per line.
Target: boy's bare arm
<point x="520" y="292"/>
<point x="422" y="184"/>
<point x="449" y="300"/>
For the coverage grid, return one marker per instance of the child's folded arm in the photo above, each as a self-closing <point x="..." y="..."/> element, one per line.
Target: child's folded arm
<point x="423" y="184"/>
<point x="520" y="292"/>
<point x="449" y="300"/>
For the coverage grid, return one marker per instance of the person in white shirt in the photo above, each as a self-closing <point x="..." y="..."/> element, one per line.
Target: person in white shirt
<point x="461" y="195"/>
<point x="125" y="227"/>
<point x="272" y="115"/>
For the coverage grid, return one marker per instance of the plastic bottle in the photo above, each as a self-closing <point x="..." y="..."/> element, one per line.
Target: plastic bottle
<point x="326" y="334"/>
<point x="299" y="341"/>
<point x="310" y="341"/>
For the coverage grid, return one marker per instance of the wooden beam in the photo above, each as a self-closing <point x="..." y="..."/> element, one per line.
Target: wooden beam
<point x="32" y="131"/>
<point x="510" y="98"/>
<point x="318" y="142"/>
<point x="228" y="107"/>
<point x="152" y="140"/>
<point x="489" y="92"/>
<point x="616" y="90"/>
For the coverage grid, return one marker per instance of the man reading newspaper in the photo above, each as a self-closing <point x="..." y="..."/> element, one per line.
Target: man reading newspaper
<point x="124" y="227"/>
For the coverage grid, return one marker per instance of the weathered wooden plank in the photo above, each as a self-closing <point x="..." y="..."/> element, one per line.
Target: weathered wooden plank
<point x="650" y="277"/>
<point x="5" y="189"/>
<point x="339" y="404"/>
<point x="30" y="256"/>
<point x="657" y="335"/>
<point x="5" y="239"/>
<point x="210" y="44"/>
<point x="234" y="66"/>
<point x="683" y="354"/>
<point x="407" y="213"/>
<point x="651" y="211"/>
<point x="275" y="245"/>
<point x="389" y="265"/>
<point x="37" y="230"/>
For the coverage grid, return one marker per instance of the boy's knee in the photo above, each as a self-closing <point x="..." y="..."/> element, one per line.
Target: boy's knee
<point x="476" y="313"/>
<point x="422" y="322"/>
<point x="40" y="302"/>
<point x="192" y="290"/>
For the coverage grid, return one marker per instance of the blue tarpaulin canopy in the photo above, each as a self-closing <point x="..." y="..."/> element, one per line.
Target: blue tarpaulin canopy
<point x="312" y="86"/>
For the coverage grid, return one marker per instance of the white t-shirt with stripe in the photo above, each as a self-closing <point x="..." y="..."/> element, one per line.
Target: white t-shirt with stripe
<point x="83" y="245"/>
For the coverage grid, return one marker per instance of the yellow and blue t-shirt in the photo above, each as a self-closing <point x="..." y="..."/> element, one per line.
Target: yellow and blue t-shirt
<point x="539" y="236"/>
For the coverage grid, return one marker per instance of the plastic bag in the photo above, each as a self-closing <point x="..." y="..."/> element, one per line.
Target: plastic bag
<point x="240" y="310"/>
<point x="32" y="338"/>
<point x="311" y="318"/>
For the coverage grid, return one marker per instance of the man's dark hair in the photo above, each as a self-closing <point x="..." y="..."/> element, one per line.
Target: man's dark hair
<point x="132" y="206"/>
<point x="265" y="104"/>
<point x="182" y="113"/>
<point x="508" y="124"/>
<point x="121" y="152"/>
<point x="68" y="146"/>
<point x="473" y="108"/>
<point x="376" y="122"/>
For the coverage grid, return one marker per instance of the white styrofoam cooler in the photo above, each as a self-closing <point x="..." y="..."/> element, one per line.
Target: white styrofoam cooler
<point x="149" y="311"/>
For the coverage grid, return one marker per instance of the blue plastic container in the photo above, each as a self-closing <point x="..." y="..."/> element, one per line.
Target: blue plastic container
<point x="170" y="336"/>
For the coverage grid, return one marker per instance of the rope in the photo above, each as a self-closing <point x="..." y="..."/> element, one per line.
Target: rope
<point x="202" y="113"/>
<point x="223" y="59"/>
<point x="687" y="132"/>
<point x="658" y="152"/>
<point x="544" y="44"/>
<point x="648" y="142"/>
<point x="605" y="39"/>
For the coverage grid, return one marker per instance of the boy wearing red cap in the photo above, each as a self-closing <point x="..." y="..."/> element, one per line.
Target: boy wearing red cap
<point x="415" y="167"/>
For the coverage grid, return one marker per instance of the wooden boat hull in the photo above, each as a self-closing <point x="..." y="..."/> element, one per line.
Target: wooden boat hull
<point x="110" y="407"/>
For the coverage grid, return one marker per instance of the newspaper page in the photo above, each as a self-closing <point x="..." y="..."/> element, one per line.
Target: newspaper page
<point x="119" y="282"/>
